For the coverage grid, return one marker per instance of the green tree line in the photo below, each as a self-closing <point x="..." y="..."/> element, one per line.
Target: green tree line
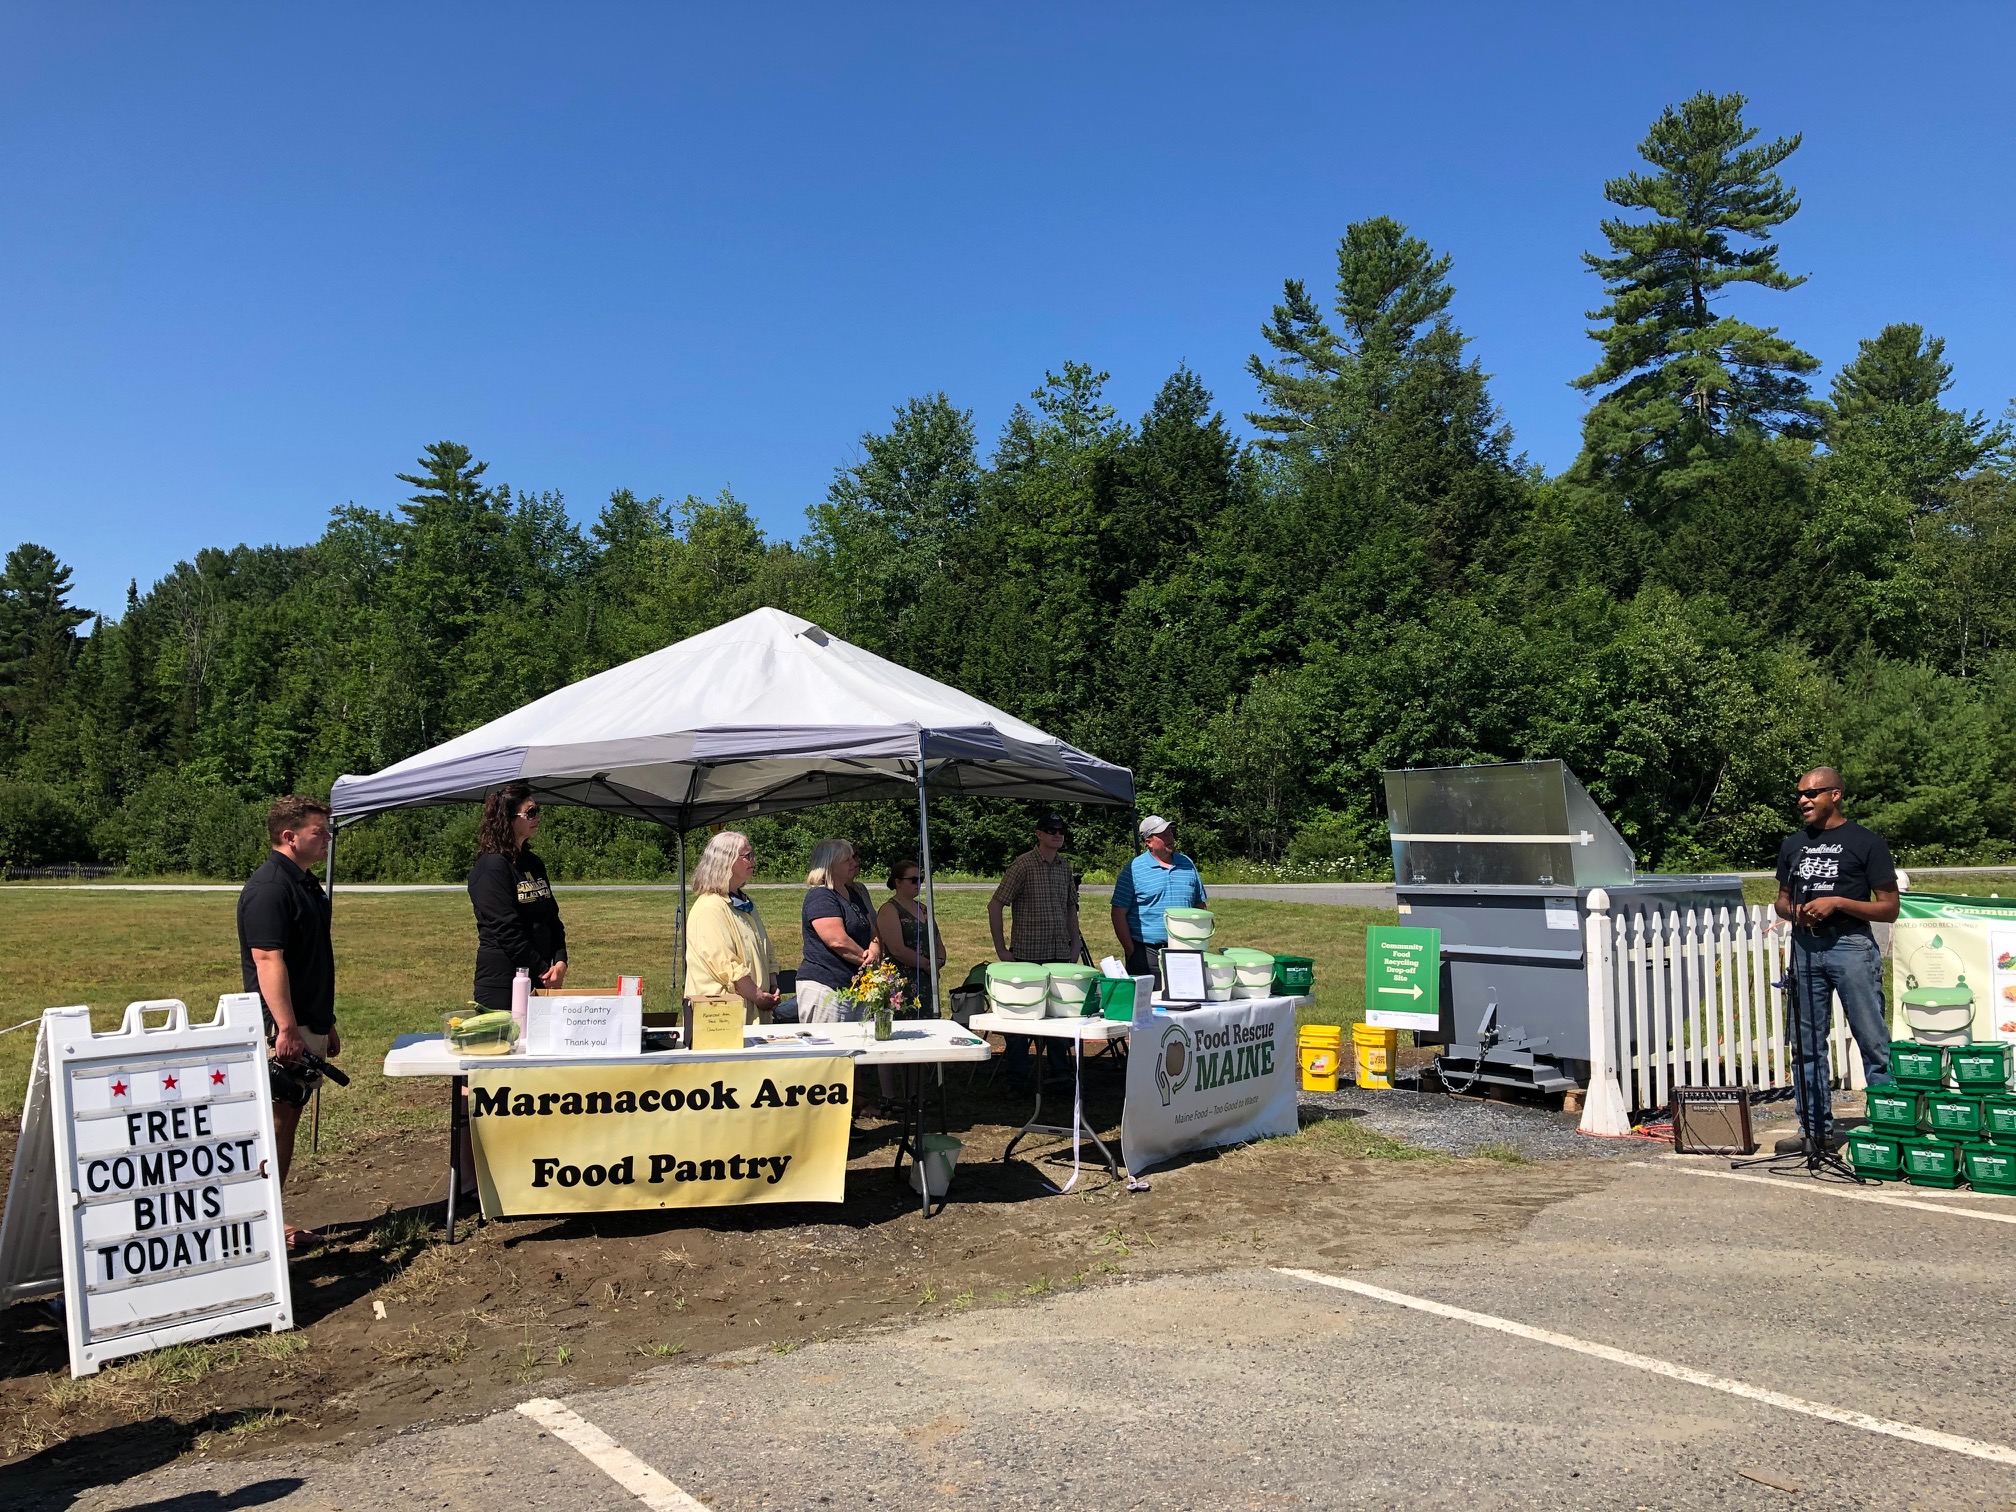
<point x="1747" y="570"/>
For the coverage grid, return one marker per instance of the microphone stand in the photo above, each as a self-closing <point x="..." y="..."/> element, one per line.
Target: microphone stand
<point x="1813" y="1156"/>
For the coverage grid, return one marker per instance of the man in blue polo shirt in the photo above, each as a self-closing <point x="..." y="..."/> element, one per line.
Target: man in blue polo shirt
<point x="1157" y="880"/>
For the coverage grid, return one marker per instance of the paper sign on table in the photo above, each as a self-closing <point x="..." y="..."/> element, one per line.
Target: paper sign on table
<point x="584" y="1024"/>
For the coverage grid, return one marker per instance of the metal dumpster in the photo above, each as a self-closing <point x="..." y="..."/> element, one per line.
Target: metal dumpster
<point x="1502" y="859"/>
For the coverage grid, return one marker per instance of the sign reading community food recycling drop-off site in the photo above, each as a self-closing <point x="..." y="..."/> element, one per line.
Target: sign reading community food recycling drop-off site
<point x="598" y="1138"/>
<point x="1403" y="977"/>
<point x="164" y="1196"/>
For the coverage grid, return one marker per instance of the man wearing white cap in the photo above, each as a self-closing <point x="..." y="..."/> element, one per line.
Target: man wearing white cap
<point x="1157" y="880"/>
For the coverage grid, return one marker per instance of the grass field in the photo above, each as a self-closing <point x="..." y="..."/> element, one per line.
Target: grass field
<point x="404" y="958"/>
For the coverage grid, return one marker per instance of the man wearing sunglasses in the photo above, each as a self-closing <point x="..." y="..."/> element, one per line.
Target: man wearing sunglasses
<point x="1835" y="880"/>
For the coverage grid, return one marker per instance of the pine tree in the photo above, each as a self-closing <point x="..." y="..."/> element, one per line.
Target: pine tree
<point x="1680" y="380"/>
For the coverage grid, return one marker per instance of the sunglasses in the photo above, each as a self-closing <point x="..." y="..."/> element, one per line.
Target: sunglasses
<point x="530" y="811"/>
<point x="912" y="877"/>
<point x="1814" y="792"/>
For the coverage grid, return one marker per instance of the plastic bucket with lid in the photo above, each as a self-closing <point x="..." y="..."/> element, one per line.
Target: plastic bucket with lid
<point x="1294" y="976"/>
<point x="1953" y="1114"/>
<point x="1980" y="1067"/>
<point x="1941" y="1010"/>
<point x="932" y="1174"/>
<point x="1322" y="1049"/>
<point x="1220" y="975"/>
<point x="1917" y="1065"/>
<point x="1894" y="1110"/>
<point x="1070" y="984"/>
<point x="1875" y="1154"/>
<point x="1189" y="928"/>
<point x="1255" y="967"/>
<point x="1928" y="1162"/>
<point x="1998" y="1119"/>
<point x="1017" y="989"/>
<point x="1990" y="1168"/>
<point x="1376" y="1050"/>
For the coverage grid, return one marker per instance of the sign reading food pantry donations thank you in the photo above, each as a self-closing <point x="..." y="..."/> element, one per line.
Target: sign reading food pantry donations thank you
<point x="166" y="1200"/>
<point x="562" y="1139"/>
<point x="1403" y="977"/>
<point x="1216" y="1075"/>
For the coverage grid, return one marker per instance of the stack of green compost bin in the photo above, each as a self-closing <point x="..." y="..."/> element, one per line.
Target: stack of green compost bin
<point x="1950" y="1118"/>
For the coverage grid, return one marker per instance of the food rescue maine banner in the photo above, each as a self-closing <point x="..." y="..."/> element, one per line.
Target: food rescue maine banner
<point x="1216" y="1075"/>
<point x="562" y="1139"/>
<point x="1956" y="941"/>
<point x="166" y="1198"/>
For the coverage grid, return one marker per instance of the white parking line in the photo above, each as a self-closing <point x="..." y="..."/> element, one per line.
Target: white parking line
<point x="608" y="1456"/>
<point x="2000" y="1454"/>
<point x="1853" y="1194"/>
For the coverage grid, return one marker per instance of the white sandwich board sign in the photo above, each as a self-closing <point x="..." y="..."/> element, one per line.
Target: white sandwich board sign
<point x="167" y="1196"/>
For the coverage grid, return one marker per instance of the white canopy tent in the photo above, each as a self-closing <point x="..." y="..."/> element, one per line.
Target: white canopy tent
<point x="763" y="714"/>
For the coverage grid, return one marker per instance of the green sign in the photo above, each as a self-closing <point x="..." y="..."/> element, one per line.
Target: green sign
<point x="1403" y="977"/>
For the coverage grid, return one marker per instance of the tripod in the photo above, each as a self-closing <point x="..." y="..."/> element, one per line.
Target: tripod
<point x="1813" y="1155"/>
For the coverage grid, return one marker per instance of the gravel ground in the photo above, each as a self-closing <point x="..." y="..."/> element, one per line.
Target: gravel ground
<point x="1464" y="1126"/>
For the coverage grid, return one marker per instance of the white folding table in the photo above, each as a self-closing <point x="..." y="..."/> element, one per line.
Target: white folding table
<point x="916" y="1043"/>
<point x="1080" y="1031"/>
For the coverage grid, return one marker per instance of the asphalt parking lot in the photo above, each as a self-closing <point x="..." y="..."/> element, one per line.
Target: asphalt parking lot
<point x="1264" y="1388"/>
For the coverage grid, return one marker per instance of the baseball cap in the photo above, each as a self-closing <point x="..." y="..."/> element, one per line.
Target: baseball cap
<point x="1155" y="824"/>
<point x="1053" y="822"/>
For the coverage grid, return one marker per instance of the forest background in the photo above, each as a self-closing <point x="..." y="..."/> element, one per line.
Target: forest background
<point x="1750" y="569"/>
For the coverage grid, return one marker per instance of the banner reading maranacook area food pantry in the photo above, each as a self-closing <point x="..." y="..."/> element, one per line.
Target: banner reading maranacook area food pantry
<point x="565" y="1139"/>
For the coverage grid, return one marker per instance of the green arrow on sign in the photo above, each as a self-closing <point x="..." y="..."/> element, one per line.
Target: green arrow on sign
<point x="1404" y="962"/>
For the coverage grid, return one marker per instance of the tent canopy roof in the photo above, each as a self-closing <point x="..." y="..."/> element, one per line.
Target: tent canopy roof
<point x="765" y="713"/>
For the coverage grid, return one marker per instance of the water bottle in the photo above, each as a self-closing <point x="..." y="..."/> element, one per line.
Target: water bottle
<point x="521" y="998"/>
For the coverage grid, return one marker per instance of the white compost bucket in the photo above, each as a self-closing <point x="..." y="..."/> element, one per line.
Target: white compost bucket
<point x="1017" y="989"/>
<point x="1069" y="987"/>
<point x="1255" y="969"/>
<point x="1189" y="928"/>
<point x="1220" y="977"/>
<point x="932" y="1175"/>
<point x="1958" y="1018"/>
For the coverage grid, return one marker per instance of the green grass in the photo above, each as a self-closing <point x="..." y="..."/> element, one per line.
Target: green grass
<point x="402" y="959"/>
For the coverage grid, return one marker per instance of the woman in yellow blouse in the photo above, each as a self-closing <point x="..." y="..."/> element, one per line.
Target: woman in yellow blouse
<point x="727" y="948"/>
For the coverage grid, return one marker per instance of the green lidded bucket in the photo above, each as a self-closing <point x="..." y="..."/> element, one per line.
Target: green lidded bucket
<point x="1188" y="928"/>
<point x="1927" y="1162"/>
<point x="1990" y="1169"/>
<point x="1294" y="976"/>
<point x="1018" y="989"/>
<point x="1917" y="1065"/>
<point x="1255" y="968"/>
<point x="1980" y="1067"/>
<point x="1953" y="1115"/>
<point x="1998" y="1119"/>
<point x="1895" y="1109"/>
<point x="1874" y="1154"/>
<point x="1220" y="977"/>
<point x="1070" y="985"/>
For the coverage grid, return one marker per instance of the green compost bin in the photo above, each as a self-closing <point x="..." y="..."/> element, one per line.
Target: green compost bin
<point x="1894" y="1109"/>
<point x="1980" y="1067"/>
<point x="1953" y="1115"/>
<point x="1989" y="1168"/>
<point x="1931" y="1163"/>
<point x="1917" y="1065"/>
<point x="1294" y="976"/>
<point x="1998" y="1119"/>
<point x="1875" y="1154"/>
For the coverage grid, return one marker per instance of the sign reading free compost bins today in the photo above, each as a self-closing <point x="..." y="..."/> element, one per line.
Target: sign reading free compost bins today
<point x="1955" y="941"/>
<point x="597" y="1138"/>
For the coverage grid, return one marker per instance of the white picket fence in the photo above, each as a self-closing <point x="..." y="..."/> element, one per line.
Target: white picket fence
<point x="1685" y="998"/>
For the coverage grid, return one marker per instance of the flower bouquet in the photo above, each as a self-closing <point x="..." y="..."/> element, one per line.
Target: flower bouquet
<point x="877" y="992"/>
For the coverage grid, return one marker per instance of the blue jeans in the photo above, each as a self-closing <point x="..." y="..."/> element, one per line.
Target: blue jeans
<point x="1852" y="966"/>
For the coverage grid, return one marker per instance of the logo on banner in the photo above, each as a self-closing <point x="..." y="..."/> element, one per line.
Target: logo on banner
<point x="1172" y="1064"/>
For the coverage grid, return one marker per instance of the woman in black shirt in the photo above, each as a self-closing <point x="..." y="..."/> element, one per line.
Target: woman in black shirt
<point x="517" y="921"/>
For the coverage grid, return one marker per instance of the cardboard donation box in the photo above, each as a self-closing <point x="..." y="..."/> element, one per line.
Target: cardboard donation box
<point x="584" y="1023"/>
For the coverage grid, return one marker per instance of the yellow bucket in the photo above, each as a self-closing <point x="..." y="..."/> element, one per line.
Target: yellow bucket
<point x="1376" y="1049"/>
<point x="1322" y="1047"/>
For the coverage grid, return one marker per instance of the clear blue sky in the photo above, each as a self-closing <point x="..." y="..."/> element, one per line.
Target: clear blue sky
<point x="253" y="258"/>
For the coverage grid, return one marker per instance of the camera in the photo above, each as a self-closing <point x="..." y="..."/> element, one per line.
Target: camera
<point x="295" y="1082"/>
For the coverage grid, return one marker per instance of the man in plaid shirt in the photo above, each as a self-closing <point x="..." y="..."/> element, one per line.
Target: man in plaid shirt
<point x="1039" y="887"/>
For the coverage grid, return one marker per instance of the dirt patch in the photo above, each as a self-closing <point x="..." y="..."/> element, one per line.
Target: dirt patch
<point x="399" y="1328"/>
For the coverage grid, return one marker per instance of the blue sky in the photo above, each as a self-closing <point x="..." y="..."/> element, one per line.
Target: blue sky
<point x="255" y="257"/>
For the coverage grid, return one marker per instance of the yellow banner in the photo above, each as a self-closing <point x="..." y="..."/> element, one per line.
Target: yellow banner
<point x="597" y="1138"/>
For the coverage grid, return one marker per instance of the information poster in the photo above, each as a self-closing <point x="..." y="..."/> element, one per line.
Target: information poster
<point x="1403" y="977"/>
<point x="1217" y="1075"/>
<point x="602" y="1138"/>
<point x="1950" y="940"/>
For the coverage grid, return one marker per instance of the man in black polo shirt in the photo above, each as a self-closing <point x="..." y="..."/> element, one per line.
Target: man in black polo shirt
<point x="1835" y="879"/>
<point x="283" y="950"/>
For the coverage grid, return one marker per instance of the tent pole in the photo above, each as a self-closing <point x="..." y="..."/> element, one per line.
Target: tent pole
<point x="679" y="934"/>
<point x="929" y="943"/>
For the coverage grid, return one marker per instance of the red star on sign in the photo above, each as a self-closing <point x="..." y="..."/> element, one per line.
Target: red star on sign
<point x="216" y="1078"/>
<point x="167" y="1081"/>
<point x="118" y="1089"/>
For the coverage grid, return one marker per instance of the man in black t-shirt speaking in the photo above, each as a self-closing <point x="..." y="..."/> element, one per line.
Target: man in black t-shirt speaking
<point x="284" y="953"/>
<point x="1835" y="879"/>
